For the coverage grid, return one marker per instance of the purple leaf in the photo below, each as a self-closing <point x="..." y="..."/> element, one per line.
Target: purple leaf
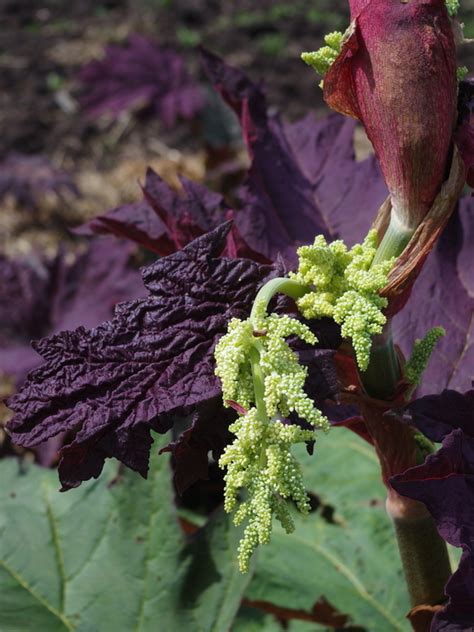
<point x="286" y="200"/>
<point x="465" y="127"/>
<point x="140" y="75"/>
<point x="209" y="432"/>
<point x="40" y="297"/>
<point x="28" y="178"/>
<point x="445" y="484"/>
<point x="166" y="220"/>
<point x="443" y="295"/>
<point x="304" y="180"/>
<point x="437" y="415"/>
<point x="151" y="362"/>
<point x="348" y="192"/>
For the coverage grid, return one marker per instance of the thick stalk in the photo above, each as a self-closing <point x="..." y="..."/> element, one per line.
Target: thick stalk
<point x="394" y="241"/>
<point x="381" y="377"/>
<point x="383" y="373"/>
<point x="423" y="553"/>
<point x="425" y="559"/>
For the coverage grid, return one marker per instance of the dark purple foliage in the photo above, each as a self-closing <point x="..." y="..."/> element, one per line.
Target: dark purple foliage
<point x="304" y="179"/>
<point x="153" y="361"/>
<point x="208" y="432"/>
<point x="28" y="178"/>
<point x="165" y="221"/>
<point x="465" y="131"/>
<point x="444" y="295"/>
<point x="346" y="195"/>
<point x="445" y="484"/>
<point x="437" y="415"/>
<point x="140" y="75"/>
<point x="39" y="297"/>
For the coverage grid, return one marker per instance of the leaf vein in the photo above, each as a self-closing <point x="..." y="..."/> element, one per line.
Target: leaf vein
<point x="24" y="584"/>
<point x="354" y="580"/>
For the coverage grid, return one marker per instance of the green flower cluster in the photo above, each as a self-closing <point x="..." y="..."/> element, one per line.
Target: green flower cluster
<point x="453" y="7"/>
<point x="322" y="59"/>
<point x="345" y="287"/>
<point x="261" y="374"/>
<point x="260" y="461"/>
<point x="462" y="72"/>
<point x="422" y="350"/>
<point x="262" y="378"/>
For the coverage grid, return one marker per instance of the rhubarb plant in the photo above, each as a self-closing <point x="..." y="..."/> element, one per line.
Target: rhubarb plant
<point x="271" y="324"/>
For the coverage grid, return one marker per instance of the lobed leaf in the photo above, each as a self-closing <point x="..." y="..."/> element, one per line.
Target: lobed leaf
<point x="165" y="221"/>
<point x="445" y="292"/>
<point x="153" y="361"/>
<point x="110" y="556"/>
<point x="303" y="178"/>
<point x="140" y="75"/>
<point x="39" y="297"/>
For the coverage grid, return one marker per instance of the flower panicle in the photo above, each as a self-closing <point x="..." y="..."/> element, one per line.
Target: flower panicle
<point x="262" y="378"/>
<point x="346" y="288"/>
<point x="259" y="460"/>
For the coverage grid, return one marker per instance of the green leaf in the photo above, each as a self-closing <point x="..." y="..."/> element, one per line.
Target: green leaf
<point x="110" y="556"/>
<point x="252" y="620"/>
<point x="344" y="471"/>
<point x="353" y="562"/>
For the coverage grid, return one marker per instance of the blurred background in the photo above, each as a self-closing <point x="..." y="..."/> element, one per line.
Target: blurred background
<point x="44" y="45"/>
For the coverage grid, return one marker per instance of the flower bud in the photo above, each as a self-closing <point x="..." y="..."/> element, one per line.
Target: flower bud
<point x="396" y="73"/>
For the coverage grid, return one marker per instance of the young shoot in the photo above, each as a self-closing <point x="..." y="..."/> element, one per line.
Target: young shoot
<point x="322" y="59"/>
<point x="422" y="351"/>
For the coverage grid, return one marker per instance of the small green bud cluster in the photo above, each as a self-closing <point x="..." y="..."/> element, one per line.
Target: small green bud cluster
<point x="283" y="375"/>
<point x="259" y="371"/>
<point x="453" y="7"/>
<point x="260" y="461"/>
<point x="232" y="362"/>
<point x="422" y="350"/>
<point x="322" y="59"/>
<point x="346" y="288"/>
<point x="461" y="72"/>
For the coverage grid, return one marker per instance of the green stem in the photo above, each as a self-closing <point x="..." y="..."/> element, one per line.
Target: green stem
<point x="394" y="241"/>
<point x="280" y="285"/>
<point x="383" y="373"/>
<point x="423" y="553"/>
<point x="258" y="382"/>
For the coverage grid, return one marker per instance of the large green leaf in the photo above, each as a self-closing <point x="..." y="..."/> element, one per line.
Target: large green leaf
<point x="252" y="620"/>
<point x="353" y="562"/>
<point x="110" y="556"/>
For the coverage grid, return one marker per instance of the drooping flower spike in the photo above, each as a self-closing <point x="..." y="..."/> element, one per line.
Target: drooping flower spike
<point x="262" y="378"/>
